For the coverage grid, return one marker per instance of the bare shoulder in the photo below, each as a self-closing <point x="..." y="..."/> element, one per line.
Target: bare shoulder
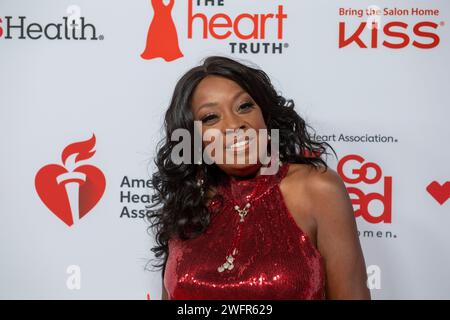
<point x="301" y="188"/>
<point x="296" y="178"/>
<point x="329" y="207"/>
<point x="316" y="178"/>
<point x="320" y="185"/>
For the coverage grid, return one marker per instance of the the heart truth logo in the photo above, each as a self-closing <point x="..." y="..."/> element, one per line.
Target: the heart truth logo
<point x="71" y="190"/>
<point x="250" y="30"/>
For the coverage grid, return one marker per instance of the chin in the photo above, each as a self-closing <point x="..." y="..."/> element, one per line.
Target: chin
<point x="240" y="170"/>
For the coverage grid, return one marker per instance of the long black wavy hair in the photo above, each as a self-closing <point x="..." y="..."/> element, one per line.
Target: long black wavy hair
<point x="178" y="208"/>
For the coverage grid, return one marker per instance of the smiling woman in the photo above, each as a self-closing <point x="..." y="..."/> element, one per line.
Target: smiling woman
<point x="230" y="231"/>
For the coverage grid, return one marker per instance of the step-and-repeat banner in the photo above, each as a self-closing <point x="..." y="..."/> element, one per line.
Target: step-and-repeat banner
<point x="84" y="86"/>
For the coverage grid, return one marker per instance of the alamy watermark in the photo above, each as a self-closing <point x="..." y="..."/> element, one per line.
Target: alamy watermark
<point x="239" y="146"/>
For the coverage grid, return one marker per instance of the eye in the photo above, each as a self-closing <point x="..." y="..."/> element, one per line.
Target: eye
<point x="246" y="106"/>
<point x="209" y="118"/>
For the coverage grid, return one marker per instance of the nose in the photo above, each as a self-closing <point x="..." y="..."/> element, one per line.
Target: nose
<point x="237" y="129"/>
<point x="232" y="124"/>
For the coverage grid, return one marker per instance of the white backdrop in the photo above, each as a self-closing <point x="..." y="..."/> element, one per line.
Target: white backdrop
<point x="387" y="107"/>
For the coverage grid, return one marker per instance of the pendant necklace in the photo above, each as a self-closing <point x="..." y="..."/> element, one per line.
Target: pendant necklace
<point x="242" y="212"/>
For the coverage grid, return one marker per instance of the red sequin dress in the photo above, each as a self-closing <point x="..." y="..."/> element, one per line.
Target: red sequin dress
<point x="266" y="256"/>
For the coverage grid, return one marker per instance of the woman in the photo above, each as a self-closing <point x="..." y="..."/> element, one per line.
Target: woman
<point x="227" y="231"/>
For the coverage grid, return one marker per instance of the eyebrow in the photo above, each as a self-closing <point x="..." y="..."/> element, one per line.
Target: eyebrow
<point x="213" y="104"/>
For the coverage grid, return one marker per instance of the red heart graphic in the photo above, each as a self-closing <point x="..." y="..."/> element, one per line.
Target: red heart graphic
<point x="55" y="197"/>
<point x="440" y="193"/>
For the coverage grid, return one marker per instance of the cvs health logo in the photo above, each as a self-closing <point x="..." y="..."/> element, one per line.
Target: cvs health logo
<point x="370" y="174"/>
<point x="71" y="190"/>
<point x="70" y="27"/>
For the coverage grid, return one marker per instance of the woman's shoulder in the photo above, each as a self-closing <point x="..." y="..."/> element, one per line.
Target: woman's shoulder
<point x="315" y="182"/>
<point x="319" y="186"/>
<point x="314" y="176"/>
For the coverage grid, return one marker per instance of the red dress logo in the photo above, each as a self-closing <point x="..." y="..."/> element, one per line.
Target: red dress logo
<point x="72" y="190"/>
<point x="162" y="37"/>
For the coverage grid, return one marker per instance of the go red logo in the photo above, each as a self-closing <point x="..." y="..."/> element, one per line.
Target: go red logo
<point x="71" y="190"/>
<point x="360" y="175"/>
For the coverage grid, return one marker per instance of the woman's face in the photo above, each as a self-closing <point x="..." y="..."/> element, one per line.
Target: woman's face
<point x="221" y="104"/>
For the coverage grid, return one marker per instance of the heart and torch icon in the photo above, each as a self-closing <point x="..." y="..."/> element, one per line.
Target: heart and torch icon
<point x="71" y="190"/>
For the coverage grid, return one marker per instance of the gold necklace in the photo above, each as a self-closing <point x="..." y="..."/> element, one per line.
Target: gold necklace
<point x="228" y="264"/>
<point x="229" y="259"/>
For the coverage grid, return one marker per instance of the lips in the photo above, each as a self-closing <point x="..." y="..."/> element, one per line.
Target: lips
<point x="240" y="143"/>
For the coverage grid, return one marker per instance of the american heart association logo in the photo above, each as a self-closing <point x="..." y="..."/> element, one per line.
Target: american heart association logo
<point x="72" y="190"/>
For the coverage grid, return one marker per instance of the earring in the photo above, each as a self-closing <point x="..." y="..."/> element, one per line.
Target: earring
<point x="201" y="182"/>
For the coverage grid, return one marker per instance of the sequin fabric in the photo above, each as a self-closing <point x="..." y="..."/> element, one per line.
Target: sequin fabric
<point x="275" y="259"/>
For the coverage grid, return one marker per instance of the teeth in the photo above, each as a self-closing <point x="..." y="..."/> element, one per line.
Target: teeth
<point x="238" y="145"/>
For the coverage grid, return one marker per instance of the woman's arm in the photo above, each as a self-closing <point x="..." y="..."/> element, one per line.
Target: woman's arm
<point x="337" y="238"/>
<point x="163" y="292"/>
